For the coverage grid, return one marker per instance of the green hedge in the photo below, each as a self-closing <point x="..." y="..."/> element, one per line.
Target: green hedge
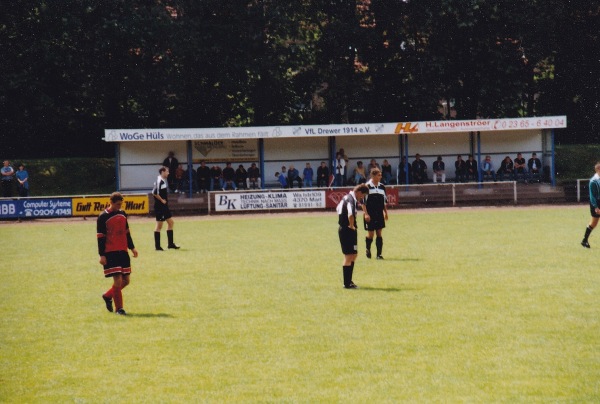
<point x="576" y="161"/>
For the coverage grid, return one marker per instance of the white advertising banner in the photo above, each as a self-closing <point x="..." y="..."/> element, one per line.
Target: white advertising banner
<point x="283" y="199"/>
<point x="299" y="131"/>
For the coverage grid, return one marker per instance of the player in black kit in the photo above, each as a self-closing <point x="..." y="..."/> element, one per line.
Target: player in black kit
<point x="375" y="208"/>
<point x="161" y="209"/>
<point x="347" y="232"/>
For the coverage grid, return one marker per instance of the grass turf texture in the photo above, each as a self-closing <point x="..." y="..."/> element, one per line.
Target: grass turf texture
<point x="479" y="305"/>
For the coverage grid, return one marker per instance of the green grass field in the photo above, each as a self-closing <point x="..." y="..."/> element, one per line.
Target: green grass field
<point x="474" y="305"/>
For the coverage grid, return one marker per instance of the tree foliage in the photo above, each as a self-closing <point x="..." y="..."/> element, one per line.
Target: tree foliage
<point x="74" y="67"/>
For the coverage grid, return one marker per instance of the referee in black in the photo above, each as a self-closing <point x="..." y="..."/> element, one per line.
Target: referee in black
<point x="346" y="210"/>
<point x="161" y="209"/>
<point x="375" y="208"/>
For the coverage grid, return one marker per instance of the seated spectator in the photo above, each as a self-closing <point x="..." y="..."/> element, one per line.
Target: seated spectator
<point x="253" y="180"/>
<point x="186" y="182"/>
<point x="419" y="170"/>
<point x="386" y="172"/>
<point x="520" y="167"/>
<point x="323" y="175"/>
<point x="403" y="169"/>
<point x="228" y="177"/>
<point x="359" y="175"/>
<point x="487" y="169"/>
<point x="439" y="170"/>
<point x="293" y="175"/>
<point x="216" y="178"/>
<point x="506" y="169"/>
<point x="471" y="165"/>
<point x="203" y="175"/>
<point x="373" y="164"/>
<point x="535" y="168"/>
<point x="460" y="167"/>
<point x="241" y="175"/>
<point x="281" y="179"/>
<point x="307" y="176"/>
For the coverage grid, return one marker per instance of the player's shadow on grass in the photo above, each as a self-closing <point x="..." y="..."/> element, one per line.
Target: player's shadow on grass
<point x="150" y="315"/>
<point x="384" y="289"/>
<point x="403" y="259"/>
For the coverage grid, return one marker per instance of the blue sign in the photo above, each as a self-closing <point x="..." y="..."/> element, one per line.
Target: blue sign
<point x="34" y="208"/>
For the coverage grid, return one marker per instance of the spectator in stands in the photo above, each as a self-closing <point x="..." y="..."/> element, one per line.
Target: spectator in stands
<point x="419" y="170"/>
<point x="307" y="176"/>
<point x="535" y="168"/>
<point x="293" y="175"/>
<point x="360" y="176"/>
<point x="323" y="175"/>
<point x="520" y="166"/>
<point x="253" y="180"/>
<point x="189" y="178"/>
<point x="216" y="178"/>
<point x="203" y="175"/>
<point x="22" y="181"/>
<point x="241" y="175"/>
<point x="228" y="177"/>
<point x="171" y="163"/>
<point x="594" y="205"/>
<point x="386" y="171"/>
<point x="8" y="174"/>
<point x="506" y="169"/>
<point x="439" y="170"/>
<point x="340" y="170"/>
<point x="372" y="164"/>
<point x="403" y="168"/>
<point x="460" y="169"/>
<point x="179" y="179"/>
<point x="487" y="169"/>
<point x="281" y="178"/>
<point x="471" y="167"/>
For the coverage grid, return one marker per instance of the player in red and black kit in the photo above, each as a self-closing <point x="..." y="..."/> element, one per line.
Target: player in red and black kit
<point x="114" y="238"/>
<point x="375" y="212"/>
<point x="161" y="209"/>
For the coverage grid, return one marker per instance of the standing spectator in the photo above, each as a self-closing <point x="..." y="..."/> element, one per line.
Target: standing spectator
<point x="23" y="181"/>
<point x="419" y="170"/>
<point x="203" y="175"/>
<point x="228" y="177"/>
<point x="114" y="238"/>
<point x="472" y="173"/>
<point x="487" y="169"/>
<point x="375" y="209"/>
<point x="160" y="192"/>
<point x="340" y="170"/>
<point x="520" y="167"/>
<point x="216" y="178"/>
<point x="506" y="169"/>
<point x="293" y="175"/>
<point x="253" y="180"/>
<point x="241" y="175"/>
<point x="403" y="169"/>
<point x="460" y="169"/>
<point x="323" y="175"/>
<point x="594" y="205"/>
<point x="347" y="231"/>
<point x="7" y="179"/>
<point x="307" y="176"/>
<point x="386" y="172"/>
<point x="439" y="170"/>
<point x="535" y="168"/>
<point x="171" y="163"/>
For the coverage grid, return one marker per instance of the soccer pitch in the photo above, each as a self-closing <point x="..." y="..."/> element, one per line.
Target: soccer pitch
<point x="469" y="305"/>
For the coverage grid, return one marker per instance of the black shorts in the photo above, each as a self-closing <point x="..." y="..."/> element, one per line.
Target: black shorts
<point x="117" y="262"/>
<point x="348" y="240"/>
<point x="377" y="222"/>
<point x="593" y="211"/>
<point x="162" y="213"/>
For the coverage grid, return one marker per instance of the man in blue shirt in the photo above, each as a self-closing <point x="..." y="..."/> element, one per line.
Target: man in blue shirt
<point x="594" y="205"/>
<point x="7" y="179"/>
<point x="23" y="181"/>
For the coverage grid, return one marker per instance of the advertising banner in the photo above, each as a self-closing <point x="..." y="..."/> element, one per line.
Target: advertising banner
<point x="225" y="150"/>
<point x="10" y="209"/>
<point x="93" y="206"/>
<point x="284" y="199"/>
<point x="35" y="208"/>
